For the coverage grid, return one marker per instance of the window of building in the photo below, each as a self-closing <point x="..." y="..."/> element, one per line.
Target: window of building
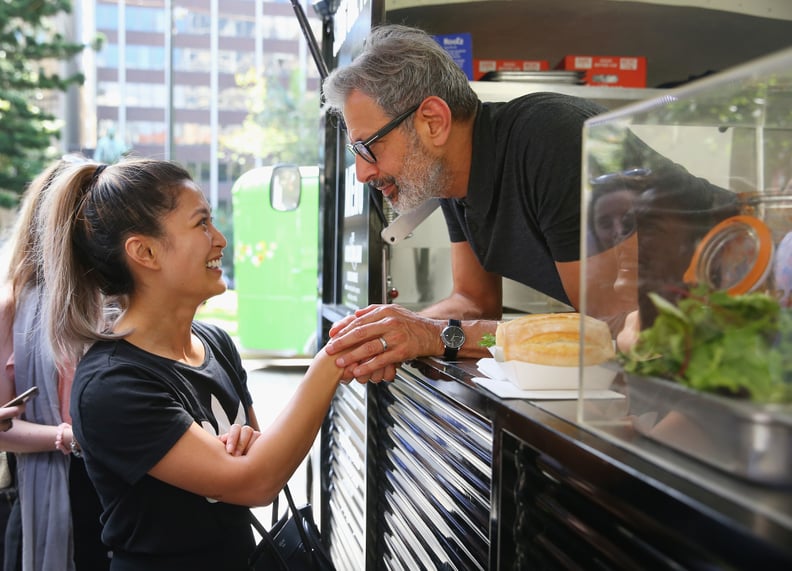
<point x="192" y="96"/>
<point x="191" y="22"/>
<point x="198" y="170"/>
<point x="146" y="132"/>
<point x="142" y="19"/>
<point x="236" y="27"/>
<point x="136" y="18"/>
<point x="137" y="57"/>
<point x="233" y="99"/>
<point x="108" y="94"/>
<point x="108" y="56"/>
<point x="192" y="59"/>
<point x="192" y="134"/>
<point x="146" y="95"/>
<point x="106" y="16"/>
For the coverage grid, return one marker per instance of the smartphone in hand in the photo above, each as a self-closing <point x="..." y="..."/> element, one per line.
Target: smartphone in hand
<point x="23" y="398"/>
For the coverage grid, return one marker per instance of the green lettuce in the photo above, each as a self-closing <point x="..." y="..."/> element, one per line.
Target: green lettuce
<point x="737" y="345"/>
<point x="487" y="340"/>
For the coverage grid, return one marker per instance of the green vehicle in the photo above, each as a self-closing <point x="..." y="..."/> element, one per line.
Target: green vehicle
<point x="276" y="243"/>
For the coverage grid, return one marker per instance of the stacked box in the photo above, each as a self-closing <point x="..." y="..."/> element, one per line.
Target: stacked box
<point x="615" y="71"/>
<point x="483" y="66"/>
<point x="460" y="48"/>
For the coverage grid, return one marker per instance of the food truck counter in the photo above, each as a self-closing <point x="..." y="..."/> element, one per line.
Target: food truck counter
<point x="653" y="461"/>
<point x="433" y="471"/>
<point x="457" y="477"/>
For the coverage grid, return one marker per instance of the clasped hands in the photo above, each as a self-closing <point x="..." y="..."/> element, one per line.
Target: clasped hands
<point x="373" y="341"/>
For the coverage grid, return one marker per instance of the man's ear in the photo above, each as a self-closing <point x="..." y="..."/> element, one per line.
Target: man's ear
<point x="435" y="115"/>
<point x="141" y="251"/>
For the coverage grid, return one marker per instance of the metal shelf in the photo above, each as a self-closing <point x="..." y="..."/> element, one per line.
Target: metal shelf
<point x="610" y="97"/>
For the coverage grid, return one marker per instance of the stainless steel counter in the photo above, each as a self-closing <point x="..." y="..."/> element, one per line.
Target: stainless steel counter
<point x="760" y="513"/>
<point x="773" y="502"/>
<point x="434" y="471"/>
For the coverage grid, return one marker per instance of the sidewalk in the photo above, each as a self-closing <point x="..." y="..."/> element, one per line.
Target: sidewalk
<point x="271" y="386"/>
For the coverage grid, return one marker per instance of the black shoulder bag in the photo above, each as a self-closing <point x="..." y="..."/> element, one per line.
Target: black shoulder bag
<point x="292" y="544"/>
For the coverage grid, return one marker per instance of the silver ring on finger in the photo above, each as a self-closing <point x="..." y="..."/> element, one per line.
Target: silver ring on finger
<point x="384" y="344"/>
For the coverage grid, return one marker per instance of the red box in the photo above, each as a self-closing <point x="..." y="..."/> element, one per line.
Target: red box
<point x="616" y="71"/>
<point x="482" y="66"/>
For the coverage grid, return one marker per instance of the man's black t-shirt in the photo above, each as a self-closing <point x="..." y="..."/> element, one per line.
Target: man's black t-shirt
<point x="522" y="209"/>
<point x="129" y="407"/>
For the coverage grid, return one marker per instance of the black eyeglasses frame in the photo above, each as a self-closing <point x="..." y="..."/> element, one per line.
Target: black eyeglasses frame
<point x="361" y="148"/>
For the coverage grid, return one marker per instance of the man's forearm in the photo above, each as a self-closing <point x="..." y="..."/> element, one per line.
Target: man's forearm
<point x="457" y="306"/>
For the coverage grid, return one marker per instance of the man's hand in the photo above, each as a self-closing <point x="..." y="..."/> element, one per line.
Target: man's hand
<point x="379" y="338"/>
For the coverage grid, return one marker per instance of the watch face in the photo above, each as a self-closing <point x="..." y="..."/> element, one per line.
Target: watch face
<point x="453" y="337"/>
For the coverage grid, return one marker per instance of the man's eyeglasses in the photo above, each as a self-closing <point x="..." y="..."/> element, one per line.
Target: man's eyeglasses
<point x="361" y="148"/>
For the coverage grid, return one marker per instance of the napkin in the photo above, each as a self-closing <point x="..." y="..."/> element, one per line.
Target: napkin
<point x="496" y="383"/>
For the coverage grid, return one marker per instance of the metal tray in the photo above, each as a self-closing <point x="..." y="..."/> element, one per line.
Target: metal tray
<point x="549" y="76"/>
<point x="739" y="437"/>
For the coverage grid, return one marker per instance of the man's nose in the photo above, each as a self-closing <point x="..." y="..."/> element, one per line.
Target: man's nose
<point x="364" y="170"/>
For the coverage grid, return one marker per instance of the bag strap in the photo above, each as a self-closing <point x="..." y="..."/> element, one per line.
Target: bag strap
<point x="266" y="538"/>
<point x="299" y="522"/>
<point x="274" y="507"/>
<point x="298" y="518"/>
<point x="258" y="525"/>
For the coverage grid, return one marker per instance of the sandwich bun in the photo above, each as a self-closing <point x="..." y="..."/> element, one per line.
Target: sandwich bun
<point x="554" y="339"/>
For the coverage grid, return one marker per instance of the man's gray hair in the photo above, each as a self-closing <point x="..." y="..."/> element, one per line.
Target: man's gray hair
<point x="400" y="67"/>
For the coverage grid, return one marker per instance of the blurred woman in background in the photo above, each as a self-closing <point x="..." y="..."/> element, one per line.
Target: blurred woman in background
<point x="58" y="505"/>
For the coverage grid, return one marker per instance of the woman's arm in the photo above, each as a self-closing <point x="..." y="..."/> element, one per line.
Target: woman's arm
<point x="25" y="437"/>
<point x="201" y="464"/>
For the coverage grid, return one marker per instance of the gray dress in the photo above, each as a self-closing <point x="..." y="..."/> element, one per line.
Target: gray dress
<point x="47" y="539"/>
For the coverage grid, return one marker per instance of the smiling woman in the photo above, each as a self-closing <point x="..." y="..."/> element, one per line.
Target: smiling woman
<point x="135" y="246"/>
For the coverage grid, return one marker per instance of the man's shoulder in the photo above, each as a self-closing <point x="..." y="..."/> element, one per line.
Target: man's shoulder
<point x="542" y="102"/>
<point x="538" y="114"/>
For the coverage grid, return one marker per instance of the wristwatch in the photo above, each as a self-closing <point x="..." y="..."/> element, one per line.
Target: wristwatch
<point x="453" y="338"/>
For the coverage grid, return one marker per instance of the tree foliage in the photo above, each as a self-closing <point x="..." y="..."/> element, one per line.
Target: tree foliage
<point x="282" y="125"/>
<point x="30" y="49"/>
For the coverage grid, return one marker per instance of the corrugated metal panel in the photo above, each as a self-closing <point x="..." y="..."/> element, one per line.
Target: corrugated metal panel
<point x="434" y="476"/>
<point x="345" y="442"/>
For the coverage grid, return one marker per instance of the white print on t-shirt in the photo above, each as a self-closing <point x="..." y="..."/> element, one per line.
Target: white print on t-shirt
<point x="223" y="422"/>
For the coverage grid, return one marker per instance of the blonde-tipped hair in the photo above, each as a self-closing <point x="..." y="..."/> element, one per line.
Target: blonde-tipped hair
<point x="24" y="260"/>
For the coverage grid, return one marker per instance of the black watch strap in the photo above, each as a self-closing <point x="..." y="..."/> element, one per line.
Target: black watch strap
<point x="451" y="353"/>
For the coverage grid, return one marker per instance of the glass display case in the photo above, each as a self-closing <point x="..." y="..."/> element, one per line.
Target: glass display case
<point x="687" y="255"/>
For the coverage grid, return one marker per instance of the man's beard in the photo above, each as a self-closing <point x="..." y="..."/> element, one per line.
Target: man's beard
<point x="422" y="178"/>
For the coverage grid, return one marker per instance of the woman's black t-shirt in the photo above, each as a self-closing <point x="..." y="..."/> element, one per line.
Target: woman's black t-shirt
<point x="129" y="407"/>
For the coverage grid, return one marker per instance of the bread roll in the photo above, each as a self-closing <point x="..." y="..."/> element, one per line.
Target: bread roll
<point x="554" y="339"/>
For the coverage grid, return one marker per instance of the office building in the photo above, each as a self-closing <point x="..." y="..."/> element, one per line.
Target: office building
<point x="166" y="77"/>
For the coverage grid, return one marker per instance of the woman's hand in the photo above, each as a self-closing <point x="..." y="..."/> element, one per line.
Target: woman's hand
<point x="628" y="336"/>
<point x="239" y="439"/>
<point x="7" y="414"/>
